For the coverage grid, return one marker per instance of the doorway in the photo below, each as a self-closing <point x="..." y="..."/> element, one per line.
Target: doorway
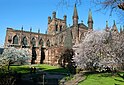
<point x="42" y="55"/>
<point x="34" y="55"/>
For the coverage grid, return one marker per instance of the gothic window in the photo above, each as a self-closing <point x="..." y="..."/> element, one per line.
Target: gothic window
<point x="33" y="42"/>
<point x="82" y="36"/>
<point x="48" y="43"/>
<point x="55" y="40"/>
<point x="61" y="39"/>
<point x="9" y="39"/>
<point x="15" y="39"/>
<point x="60" y="28"/>
<point x="56" y="27"/>
<point x="24" y="41"/>
<point x="71" y="34"/>
<point x="41" y="42"/>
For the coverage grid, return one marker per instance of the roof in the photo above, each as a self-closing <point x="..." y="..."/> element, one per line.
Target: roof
<point x="81" y="25"/>
<point x="75" y="14"/>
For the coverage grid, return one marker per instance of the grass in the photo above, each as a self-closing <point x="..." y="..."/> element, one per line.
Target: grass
<point x="21" y="69"/>
<point x="44" y="67"/>
<point x="102" y="79"/>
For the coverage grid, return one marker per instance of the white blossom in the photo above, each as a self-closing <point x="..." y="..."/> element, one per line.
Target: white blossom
<point x="12" y="55"/>
<point x="100" y="49"/>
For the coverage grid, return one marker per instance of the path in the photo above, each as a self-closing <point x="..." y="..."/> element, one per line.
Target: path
<point x="49" y="78"/>
<point x="76" y="79"/>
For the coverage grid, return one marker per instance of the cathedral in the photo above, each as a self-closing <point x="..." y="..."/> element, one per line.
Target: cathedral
<point x="45" y="48"/>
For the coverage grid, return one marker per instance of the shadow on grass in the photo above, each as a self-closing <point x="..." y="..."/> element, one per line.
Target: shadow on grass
<point x="107" y="75"/>
<point x="23" y="70"/>
<point x="50" y="76"/>
<point x="121" y="75"/>
<point x="58" y="70"/>
<point x="102" y="74"/>
<point x="119" y="80"/>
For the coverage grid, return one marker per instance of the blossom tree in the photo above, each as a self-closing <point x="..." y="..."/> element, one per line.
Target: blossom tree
<point x="12" y="55"/>
<point x="100" y="50"/>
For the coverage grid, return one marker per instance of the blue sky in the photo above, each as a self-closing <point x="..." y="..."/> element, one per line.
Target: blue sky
<point x="34" y="13"/>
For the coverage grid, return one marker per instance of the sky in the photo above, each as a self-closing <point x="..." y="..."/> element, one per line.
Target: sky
<point x="34" y="14"/>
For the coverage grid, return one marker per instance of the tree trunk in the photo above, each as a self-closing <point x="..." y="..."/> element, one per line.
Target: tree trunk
<point x="9" y="66"/>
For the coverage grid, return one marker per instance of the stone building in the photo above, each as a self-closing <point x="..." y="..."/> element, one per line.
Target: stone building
<point x="46" y="47"/>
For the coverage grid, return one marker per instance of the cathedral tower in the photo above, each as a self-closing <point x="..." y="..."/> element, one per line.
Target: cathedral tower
<point x="75" y="16"/>
<point x="75" y="29"/>
<point x="56" y="25"/>
<point x="90" y="20"/>
<point x="107" y="28"/>
<point x="114" y="28"/>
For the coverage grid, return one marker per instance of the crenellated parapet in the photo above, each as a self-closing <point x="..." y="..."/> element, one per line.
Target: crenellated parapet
<point x="56" y="25"/>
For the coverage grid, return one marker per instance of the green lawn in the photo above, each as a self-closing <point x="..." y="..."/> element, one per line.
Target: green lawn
<point x="20" y="69"/>
<point x="102" y="79"/>
<point x="50" y="68"/>
<point x="44" y="67"/>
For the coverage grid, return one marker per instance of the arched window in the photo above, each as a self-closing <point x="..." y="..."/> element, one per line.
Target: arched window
<point x="56" y="27"/>
<point x="33" y="42"/>
<point x="15" y="39"/>
<point x="41" y="42"/>
<point x="24" y="41"/>
<point x="48" y="43"/>
<point x="60" y="28"/>
<point x="61" y="39"/>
